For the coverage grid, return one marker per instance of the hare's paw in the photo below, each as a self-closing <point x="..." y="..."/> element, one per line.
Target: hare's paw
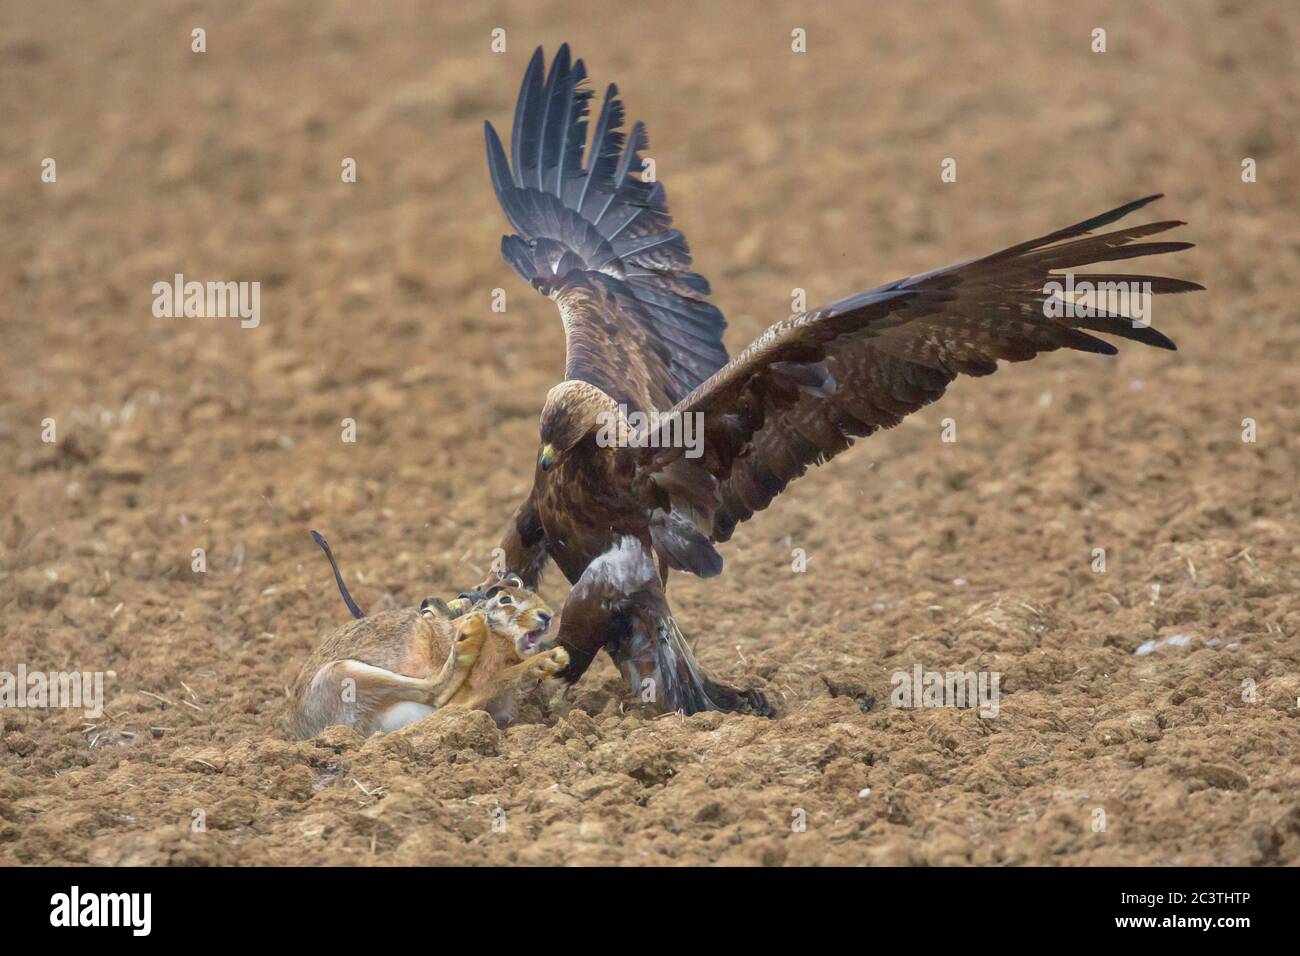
<point x="470" y="635"/>
<point x="549" y="663"/>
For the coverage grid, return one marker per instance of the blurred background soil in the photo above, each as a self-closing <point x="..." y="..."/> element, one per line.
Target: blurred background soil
<point x="817" y="171"/>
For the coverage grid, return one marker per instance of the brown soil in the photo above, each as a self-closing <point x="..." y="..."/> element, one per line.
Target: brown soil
<point x="818" y="171"/>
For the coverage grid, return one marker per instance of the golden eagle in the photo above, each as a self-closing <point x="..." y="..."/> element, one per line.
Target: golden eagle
<point x="616" y="507"/>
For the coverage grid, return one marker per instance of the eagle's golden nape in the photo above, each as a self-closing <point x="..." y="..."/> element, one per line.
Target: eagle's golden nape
<point x="639" y="332"/>
<point x="571" y="411"/>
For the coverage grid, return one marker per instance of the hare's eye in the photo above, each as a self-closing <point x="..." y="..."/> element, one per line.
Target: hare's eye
<point x="505" y="599"/>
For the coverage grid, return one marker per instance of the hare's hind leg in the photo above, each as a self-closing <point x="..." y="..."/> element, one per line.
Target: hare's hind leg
<point x="373" y="699"/>
<point x="401" y="700"/>
<point x="363" y="696"/>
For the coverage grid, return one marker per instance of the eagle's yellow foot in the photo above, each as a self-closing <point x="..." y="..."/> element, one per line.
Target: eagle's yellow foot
<point x="458" y="606"/>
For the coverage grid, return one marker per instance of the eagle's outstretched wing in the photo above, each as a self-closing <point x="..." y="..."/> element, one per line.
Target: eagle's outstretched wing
<point x="812" y="383"/>
<point x="600" y="242"/>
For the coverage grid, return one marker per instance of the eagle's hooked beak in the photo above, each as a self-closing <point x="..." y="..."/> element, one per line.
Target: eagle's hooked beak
<point x="548" y="456"/>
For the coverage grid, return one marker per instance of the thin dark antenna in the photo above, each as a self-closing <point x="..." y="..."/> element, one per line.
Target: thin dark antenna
<point x="338" y="578"/>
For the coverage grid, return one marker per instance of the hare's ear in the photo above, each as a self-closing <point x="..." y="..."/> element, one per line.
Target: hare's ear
<point x="435" y="607"/>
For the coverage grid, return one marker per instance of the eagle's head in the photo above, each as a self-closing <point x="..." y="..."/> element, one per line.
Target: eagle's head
<point x="572" y="411"/>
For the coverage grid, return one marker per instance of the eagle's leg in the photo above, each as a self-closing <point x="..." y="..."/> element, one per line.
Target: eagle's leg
<point x="619" y="604"/>
<point x="652" y="654"/>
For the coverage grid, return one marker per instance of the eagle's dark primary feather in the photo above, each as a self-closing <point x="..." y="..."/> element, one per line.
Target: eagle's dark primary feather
<point x="891" y="350"/>
<point x="599" y="227"/>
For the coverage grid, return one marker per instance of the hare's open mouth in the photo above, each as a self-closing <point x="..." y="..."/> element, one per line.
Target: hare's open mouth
<point x="532" y="642"/>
